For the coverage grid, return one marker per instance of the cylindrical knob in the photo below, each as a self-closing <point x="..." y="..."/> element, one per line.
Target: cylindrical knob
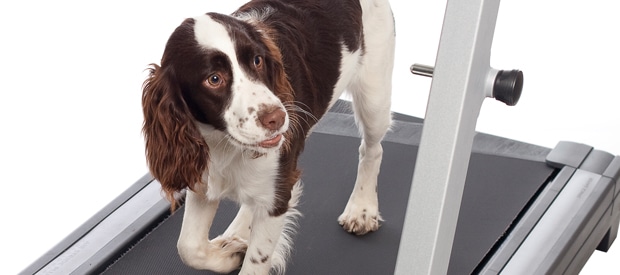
<point x="508" y="86"/>
<point x="423" y="70"/>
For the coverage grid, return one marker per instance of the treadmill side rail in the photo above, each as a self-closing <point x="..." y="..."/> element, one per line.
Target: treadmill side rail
<point x="563" y="228"/>
<point x="584" y="216"/>
<point x="61" y="248"/>
<point x="98" y="246"/>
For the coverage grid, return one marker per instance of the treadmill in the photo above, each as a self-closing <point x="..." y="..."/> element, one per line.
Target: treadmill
<point x="492" y="206"/>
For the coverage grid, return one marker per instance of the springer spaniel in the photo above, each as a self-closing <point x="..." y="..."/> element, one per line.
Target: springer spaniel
<point x="227" y="113"/>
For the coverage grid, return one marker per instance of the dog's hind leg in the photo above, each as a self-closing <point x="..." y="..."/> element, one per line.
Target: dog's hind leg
<point x="371" y="92"/>
<point x="241" y="226"/>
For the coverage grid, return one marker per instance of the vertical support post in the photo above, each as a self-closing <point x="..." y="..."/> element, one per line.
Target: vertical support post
<point x="462" y="78"/>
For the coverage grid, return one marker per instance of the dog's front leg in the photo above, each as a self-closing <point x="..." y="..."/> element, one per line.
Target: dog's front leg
<point x="266" y="232"/>
<point x="196" y="250"/>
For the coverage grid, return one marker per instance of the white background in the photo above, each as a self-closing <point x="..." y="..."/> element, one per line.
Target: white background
<point x="70" y="89"/>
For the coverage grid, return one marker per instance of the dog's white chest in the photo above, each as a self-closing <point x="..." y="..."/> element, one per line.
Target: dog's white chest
<point x="242" y="176"/>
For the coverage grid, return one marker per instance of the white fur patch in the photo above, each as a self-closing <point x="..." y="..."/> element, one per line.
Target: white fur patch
<point x="212" y="35"/>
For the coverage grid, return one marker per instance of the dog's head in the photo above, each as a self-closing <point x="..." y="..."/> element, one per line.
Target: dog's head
<point x="223" y="74"/>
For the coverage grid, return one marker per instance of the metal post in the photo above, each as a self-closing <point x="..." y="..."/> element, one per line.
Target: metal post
<point x="462" y="78"/>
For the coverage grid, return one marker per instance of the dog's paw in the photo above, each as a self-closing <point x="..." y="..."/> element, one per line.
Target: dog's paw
<point x="360" y="220"/>
<point x="231" y="252"/>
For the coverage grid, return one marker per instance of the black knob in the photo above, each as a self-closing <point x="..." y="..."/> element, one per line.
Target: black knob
<point x="508" y="86"/>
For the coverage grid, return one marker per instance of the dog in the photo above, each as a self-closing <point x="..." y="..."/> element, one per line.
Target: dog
<point x="227" y="113"/>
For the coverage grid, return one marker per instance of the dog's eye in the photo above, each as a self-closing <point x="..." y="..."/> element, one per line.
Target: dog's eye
<point x="258" y="61"/>
<point x="214" y="81"/>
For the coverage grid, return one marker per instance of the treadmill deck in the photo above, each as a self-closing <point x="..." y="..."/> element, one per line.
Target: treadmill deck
<point x="495" y="193"/>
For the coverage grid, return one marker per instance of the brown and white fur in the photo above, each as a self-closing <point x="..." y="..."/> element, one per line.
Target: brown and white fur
<point x="227" y="113"/>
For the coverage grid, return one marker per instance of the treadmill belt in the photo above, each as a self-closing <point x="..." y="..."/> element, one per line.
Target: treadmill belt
<point x="496" y="190"/>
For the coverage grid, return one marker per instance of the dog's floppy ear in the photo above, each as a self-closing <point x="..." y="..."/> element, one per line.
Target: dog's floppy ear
<point x="176" y="153"/>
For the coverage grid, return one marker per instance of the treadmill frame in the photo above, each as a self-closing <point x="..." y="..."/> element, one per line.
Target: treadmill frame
<point x="462" y="79"/>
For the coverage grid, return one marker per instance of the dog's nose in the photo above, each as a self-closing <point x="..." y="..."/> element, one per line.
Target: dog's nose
<point x="272" y="119"/>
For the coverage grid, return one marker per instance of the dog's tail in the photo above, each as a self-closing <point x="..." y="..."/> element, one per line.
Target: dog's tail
<point x="285" y="243"/>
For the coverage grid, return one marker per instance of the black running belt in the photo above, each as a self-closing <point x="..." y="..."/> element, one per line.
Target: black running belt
<point x="496" y="190"/>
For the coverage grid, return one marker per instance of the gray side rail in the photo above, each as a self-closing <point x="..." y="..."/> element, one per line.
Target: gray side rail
<point x="575" y="214"/>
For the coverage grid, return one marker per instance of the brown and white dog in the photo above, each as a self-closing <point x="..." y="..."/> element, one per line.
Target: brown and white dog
<point x="227" y="113"/>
